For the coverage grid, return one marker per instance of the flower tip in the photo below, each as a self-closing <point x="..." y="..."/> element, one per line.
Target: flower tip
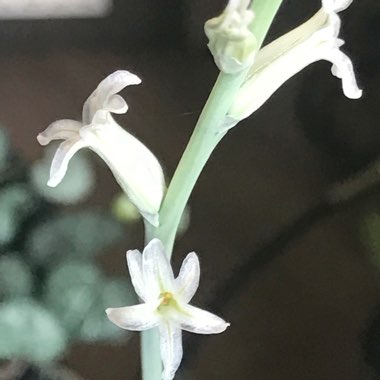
<point x="114" y="316"/>
<point x="53" y="181"/>
<point x="111" y="316"/>
<point x="55" y="178"/>
<point x="336" y="5"/>
<point x="168" y="375"/>
<point x="43" y="140"/>
<point x="224" y="327"/>
<point x="356" y="95"/>
<point x="352" y="91"/>
<point x="127" y="77"/>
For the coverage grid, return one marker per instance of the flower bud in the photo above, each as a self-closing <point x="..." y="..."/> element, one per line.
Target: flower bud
<point x="231" y="42"/>
<point x="134" y="166"/>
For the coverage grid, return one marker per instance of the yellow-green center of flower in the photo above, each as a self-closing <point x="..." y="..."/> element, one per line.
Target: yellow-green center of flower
<point x="166" y="299"/>
<point x="168" y="304"/>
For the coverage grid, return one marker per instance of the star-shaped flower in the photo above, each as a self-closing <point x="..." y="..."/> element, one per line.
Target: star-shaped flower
<point x="166" y="302"/>
<point x="316" y="39"/>
<point x="135" y="168"/>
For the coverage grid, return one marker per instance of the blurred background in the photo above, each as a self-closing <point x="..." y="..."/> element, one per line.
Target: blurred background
<point x="285" y="217"/>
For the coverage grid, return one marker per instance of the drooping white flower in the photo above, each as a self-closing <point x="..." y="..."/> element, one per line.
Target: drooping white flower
<point x="317" y="39"/>
<point x="231" y="42"/>
<point x="166" y="302"/>
<point x="135" y="168"/>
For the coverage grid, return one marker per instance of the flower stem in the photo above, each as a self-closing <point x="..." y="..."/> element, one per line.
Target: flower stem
<point x="265" y="11"/>
<point x="206" y="136"/>
<point x="150" y="354"/>
<point x="204" y="140"/>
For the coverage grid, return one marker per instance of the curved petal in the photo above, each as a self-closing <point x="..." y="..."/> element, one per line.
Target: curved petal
<point x="335" y="5"/>
<point x="134" y="260"/>
<point x="200" y="321"/>
<point x="116" y="104"/>
<point x="187" y="281"/>
<point x="59" y="130"/>
<point x="108" y="87"/>
<point x="63" y="155"/>
<point x="171" y="349"/>
<point x="342" y="68"/>
<point x="135" y="318"/>
<point x="157" y="272"/>
<point x="116" y="81"/>
<point x="317" y="39"/>
<point x="134" y="166"/>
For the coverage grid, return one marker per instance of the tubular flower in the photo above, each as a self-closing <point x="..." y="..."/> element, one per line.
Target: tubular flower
<point x="135" y="168"/>
<point x="316" y="39"/>
<point x="231" y="42"/>
<point x="166" y="303"/>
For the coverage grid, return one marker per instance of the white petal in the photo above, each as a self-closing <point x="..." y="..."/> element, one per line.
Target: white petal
<point x="116" y="81"/>
<point x="63" y="155"/>
<point x="335" y="5"/>
<point x="116" y="104"/>
<point x="342" y="68"/>
<point x="59" y="130"/>
<point x="100" y="118"/>
<point x="135" y="318"/>
<point x="313" y="41"/>
<point x="237" y="5"/>
<point x="187" y="281"/>
<point x="157" y="272"/>
<point x="108" y="87"/>
<point x="135" y="168"/>
<point x="200" y="321"/>
<point x="171" y="349"/>
<point x="134" y="260"/>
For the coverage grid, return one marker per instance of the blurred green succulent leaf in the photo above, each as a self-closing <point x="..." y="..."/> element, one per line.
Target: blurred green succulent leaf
<point x="78" y="235"/>
<point x="15" y="277"/>
<point x="16" y="203"/>
<point x="4" y="150"/>
<point x="76" y="186"/>
<point x="79" y="294"/>
<point x="96" y="326"/>
<point x="72" y="288"/>
<point x="29" y="331"/>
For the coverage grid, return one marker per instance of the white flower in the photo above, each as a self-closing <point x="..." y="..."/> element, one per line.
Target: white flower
<point x="135" y="168"/>
<point x="317" y="39"/>
<point x="165" y="302"/>
<point x="231" y="42"/>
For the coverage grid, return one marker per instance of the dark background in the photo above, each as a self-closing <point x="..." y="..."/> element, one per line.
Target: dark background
<point x="289" y="269"/>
